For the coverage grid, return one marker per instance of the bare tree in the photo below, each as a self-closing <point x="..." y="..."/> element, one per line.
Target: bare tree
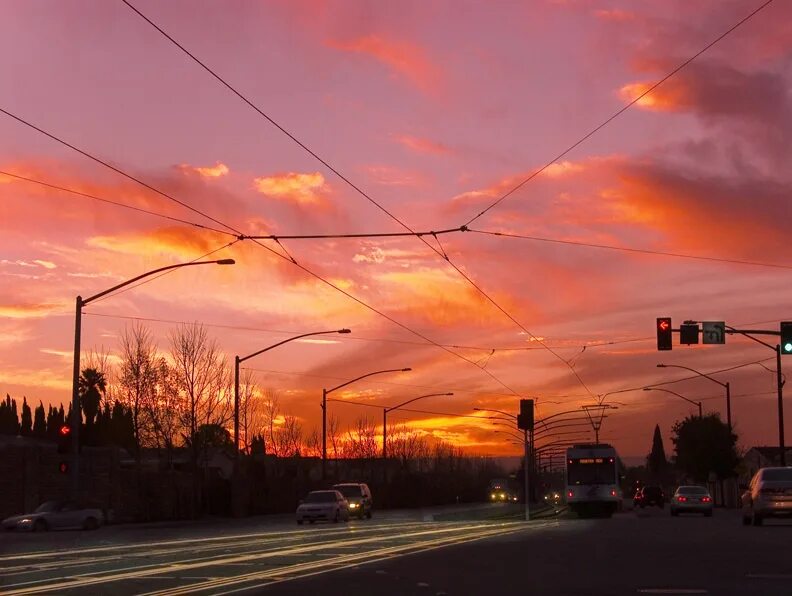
<point x="271" y="407"/>
<point x="291" y="436"/>
<point x="137" y="377"/>
<point x="313" y="444"/>
<point x="252" y="418"/>
<point x="407" y="444"/>
<point x="361" y="440"/>
<point x="334" y="434"/>
<point x="163" y="410"/>
<point x="203" y="379"/>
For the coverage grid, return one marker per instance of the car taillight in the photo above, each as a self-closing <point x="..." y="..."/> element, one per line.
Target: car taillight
<point x="706" y="499"/>
<point x="681" y="499"/>
<point x="613" y="493"/>
<point x="569" y="494"/>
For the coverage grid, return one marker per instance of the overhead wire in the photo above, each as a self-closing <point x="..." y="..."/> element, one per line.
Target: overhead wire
<point x="633" y="250"/>
<point x="259" y="243"/>
<point x="440" y="252"/>
<point x="619" y="112"/>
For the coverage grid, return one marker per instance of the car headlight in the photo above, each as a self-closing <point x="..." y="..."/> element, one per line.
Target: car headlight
<point x="353" y="505"/>
<point x="492" y="496"/>
<point x="26" y="520"/>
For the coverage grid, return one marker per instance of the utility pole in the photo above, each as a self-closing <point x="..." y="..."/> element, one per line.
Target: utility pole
<point x="780" y="382"/>
<point x="527" y="483"/>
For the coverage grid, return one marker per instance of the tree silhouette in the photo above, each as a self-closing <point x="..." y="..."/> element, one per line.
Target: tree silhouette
<point x="705" y="445"/>
<point x="92" y="387"/>
<point x="656" y="463"/>
<point x="26" y="423"/>
<point x="39" y="422"/>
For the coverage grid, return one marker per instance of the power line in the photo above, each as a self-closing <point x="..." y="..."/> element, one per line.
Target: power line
<point x="633" y="250"/>
<point x="116" y="203"/>
<point x="115" y="169"/>
<point x="258" y="242"/>
<point x="618" y="112"/>
<point x="153" y="277"/>
<point x="370" y="339"/>
<point x="356" y="188"/>
<point x="380" y="407"/>
<point x="433" y="233"/>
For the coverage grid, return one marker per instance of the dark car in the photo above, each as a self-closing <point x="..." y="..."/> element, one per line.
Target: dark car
<point x="359" y="497"/>
<point x="651" y="496"/>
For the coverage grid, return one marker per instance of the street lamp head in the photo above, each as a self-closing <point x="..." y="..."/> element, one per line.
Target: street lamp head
<point x="408" y="369"/>
<point x="661" y="366"/>
<point x="648" y="389"/>
<point x="345" y="330"/>
<point x="226" y="262"/>
<point x="449" y="393"/>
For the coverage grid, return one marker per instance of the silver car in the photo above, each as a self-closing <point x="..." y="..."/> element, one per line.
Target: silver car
<point x="768" y="495"/>
<point x="691" y="499"/>
<point x="56" y="515"/>
<point x="324" y="505"/>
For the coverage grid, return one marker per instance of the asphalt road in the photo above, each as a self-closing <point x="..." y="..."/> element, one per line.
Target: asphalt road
<point x="632" y="553"/>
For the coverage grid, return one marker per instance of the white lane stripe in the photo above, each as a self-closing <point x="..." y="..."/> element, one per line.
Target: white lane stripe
<point x="132" y="572"/>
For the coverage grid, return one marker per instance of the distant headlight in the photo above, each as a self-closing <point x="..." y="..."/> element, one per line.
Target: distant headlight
<point x="492" y="496"/>
<point x="503" y="495"/>
<point x="353" y="505"/>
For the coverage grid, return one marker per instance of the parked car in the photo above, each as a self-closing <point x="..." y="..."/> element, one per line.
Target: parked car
<point x="327" y="505"/>
<point x="768" y="495"/>
<point x="358" y="496"/>
<point x="691" y="499"/>
<point x="56" y="515"/>
<point x="651" y="495"/>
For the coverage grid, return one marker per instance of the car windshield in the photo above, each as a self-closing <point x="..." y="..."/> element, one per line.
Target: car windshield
<point x="48" y="507"/>
<point x="777" y="475"/>
<point x="692" y="490"/>
<point x="324" y="496"/>
<point x="350" y="490"/>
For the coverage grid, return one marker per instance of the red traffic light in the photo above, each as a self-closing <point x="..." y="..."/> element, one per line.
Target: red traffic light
<point x="664" y="331"/>
<point x="65" y="430"/>
<point x="663" y="324"/>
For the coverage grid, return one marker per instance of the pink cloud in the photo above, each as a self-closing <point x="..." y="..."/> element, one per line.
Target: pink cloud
<point x="422" y="145"/>
<point x="405" y="59"/>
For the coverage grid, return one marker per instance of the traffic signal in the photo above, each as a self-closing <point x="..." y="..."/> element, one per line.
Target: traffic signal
<point x="64" y="439"/>
<point x="664" y="334"/>
<point x="525" y="419"/>
<point x="786" y="337"/>
<point x="688" y="333"/>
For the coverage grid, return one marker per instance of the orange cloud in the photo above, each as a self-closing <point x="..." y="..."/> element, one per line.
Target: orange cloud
<point x="215" y="171"/>
<point x="403" y="58"/>
<point x="425" y="146"/>
<point x="30" y="311"/>
<point x="302" y="189"/>
<point x="667" y="97"/>
<point x="180" y="242"/>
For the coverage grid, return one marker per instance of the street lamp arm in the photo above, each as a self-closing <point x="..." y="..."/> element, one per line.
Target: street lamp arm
<point x="155" y="271"/>
<point x="512" y="416"/>
<point x="511" y="434"/>
<point x="749" y="336"/>
<point x="693" y="370"/>
<point x="409" y="401"/>
<point x="695" y="403"/>
<point x="378" y="372"/>
<point x="280" y="343"/>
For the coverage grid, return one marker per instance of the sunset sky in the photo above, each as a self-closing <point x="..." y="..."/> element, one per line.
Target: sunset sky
<point x="434" y="109"/>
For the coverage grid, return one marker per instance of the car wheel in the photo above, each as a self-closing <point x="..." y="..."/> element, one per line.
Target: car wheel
<point x="368" y="514"/>
<point x="312" y="521"/>
<point x="674" y="513"/>
<point x="90" y="524"/>
<point x="757" y="519"/>
<point x="708" y="513"/>
<point x="746" y="520"/>
<point x="40" y="526"/>
<point x="299" y="522"/>
<point x="336" y="518"/>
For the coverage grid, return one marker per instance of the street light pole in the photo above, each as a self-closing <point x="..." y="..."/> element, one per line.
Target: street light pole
<point x="325" y="392"/>
<point x="695" y="403"/>
<point x="390" y="409"/>
<point x="726" y="386"/>
<point x="238" y="360"/>
<point x="76" y="417"/>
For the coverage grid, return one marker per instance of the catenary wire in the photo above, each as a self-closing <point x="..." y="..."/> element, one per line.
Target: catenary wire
<point x="619" y="112"/>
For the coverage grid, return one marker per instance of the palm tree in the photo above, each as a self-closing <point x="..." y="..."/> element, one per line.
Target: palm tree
<point x="92" y="386"/>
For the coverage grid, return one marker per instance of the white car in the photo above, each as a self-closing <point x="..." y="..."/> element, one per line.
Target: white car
<point x="326" y="505"/>
<point x="56" y="515"/>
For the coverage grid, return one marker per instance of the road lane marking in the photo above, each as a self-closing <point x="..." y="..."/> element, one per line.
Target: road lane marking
<point x="157" y="569"/>
<point x="423" y="547"/>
